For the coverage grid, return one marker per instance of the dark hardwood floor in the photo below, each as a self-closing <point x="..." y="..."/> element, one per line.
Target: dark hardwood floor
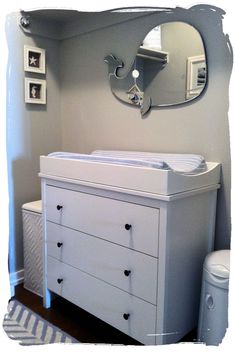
<point x="76" y="322"/>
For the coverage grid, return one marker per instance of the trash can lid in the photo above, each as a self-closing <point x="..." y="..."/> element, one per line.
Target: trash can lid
<point x="218" y="263"/>
<point x="35" y="206"/>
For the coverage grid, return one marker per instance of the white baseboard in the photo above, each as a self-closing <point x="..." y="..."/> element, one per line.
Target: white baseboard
<point x="15" y="279"/>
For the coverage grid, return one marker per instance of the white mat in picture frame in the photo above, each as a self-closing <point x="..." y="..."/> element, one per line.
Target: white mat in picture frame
<point x="196" y="76"/>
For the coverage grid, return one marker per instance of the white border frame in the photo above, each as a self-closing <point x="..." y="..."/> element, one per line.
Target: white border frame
<point x="192" y="65"/>
<point x="28" y="99"/>
<point x="42" y="68"/>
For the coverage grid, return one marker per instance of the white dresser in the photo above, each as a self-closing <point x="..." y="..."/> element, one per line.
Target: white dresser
<point x="130" y="257"/>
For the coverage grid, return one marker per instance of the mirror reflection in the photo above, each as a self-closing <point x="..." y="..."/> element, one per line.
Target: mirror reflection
<point x="169" y="68"/>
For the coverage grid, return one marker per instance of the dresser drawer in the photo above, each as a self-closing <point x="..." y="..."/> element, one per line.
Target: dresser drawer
<point x="127" y="224"/>
<point x="125" y="268"/>
<point x="104" y="301"/>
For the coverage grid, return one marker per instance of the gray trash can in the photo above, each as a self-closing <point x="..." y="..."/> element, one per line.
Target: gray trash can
<point x="213" y="315"/>
<point x="32" y="239"/>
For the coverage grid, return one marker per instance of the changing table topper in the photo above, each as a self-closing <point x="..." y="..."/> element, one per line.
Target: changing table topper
<point x="163" y="174"/>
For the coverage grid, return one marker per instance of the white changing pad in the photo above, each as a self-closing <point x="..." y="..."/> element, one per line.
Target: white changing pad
<point x="182" y="163"/>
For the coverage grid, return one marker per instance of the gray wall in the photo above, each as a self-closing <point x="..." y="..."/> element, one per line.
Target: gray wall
<point x="32" y="130"/>
<point x="94" y="119"/>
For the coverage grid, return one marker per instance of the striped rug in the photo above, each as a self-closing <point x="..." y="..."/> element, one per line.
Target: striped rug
<point x="28" y="328"/>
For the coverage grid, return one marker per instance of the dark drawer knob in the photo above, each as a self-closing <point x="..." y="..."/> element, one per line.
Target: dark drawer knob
<point x="59" y="280"/>
<point x="126" y="316"/>
<point x="59" y="207"/>
<point x="127" y="272"/>
<point x="59" y="244"/>
<point x="127" y="226"/>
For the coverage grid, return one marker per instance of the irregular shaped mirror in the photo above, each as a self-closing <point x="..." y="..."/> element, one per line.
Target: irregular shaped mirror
<point x="169" y="68"/>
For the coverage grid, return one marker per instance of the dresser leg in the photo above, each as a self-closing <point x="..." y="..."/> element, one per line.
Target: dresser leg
<point x="47" y="299"/>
